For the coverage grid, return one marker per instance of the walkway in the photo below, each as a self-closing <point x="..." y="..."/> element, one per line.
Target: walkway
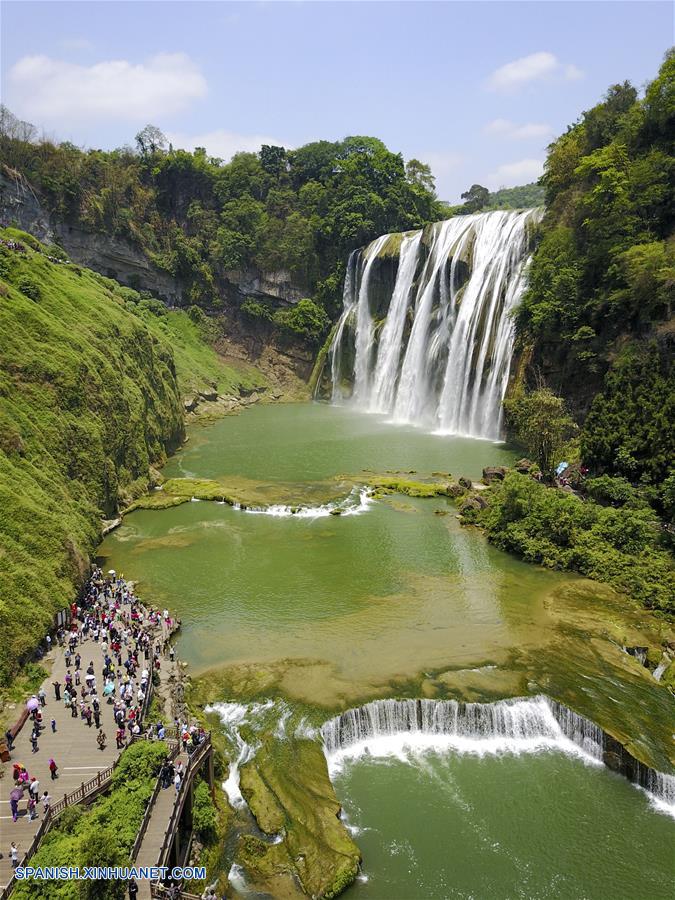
<point x="73" y="747"/>
<point x="153" y="838"/>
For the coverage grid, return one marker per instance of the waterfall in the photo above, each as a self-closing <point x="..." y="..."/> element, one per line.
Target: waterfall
<point x="440" y="353"/>
<point x="517" y="725"/>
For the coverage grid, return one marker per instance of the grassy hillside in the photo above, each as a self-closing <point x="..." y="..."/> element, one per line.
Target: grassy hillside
<point x="90" y="397"/>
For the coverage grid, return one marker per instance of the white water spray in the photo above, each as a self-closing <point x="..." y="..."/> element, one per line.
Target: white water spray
<point x="444" y="350"/>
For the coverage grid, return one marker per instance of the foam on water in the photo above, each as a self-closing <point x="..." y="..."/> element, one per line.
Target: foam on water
<point x="357" y="502"/>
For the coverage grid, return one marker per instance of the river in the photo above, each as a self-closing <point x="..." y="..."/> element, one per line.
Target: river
<point x="399" y="599"/>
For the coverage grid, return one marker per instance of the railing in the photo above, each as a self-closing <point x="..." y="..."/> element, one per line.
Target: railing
<point x="86" y="791"/>
<point x="174" y="749"/>
<point x="45" y="825"/>
<point x="194" y="762"/>
<point x="159" y="892"/>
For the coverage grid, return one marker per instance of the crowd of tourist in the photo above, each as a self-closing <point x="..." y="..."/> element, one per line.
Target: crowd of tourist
<point x="112" y="645"/>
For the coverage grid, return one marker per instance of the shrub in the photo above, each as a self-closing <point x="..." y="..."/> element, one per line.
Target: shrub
<point x="204" y="814"/>
<point x="29" y="288"/>
<point x="256" y="309"/>
<point x="621" y="547"/>
<point x="306" y="319"/>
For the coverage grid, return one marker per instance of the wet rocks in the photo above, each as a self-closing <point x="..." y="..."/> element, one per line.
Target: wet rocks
<point x="494" y="473"/>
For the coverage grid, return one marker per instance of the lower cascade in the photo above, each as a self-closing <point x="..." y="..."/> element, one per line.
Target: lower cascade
<point x="426" y="334"/>
<point x="517" y="725"/>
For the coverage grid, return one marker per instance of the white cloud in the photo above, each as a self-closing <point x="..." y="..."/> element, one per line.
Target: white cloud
<point x="529" y="131"/>
<point x="510" y="174"/>
<point x="223" y="144"/>
<point x="535" y="67"/>
<point x="45" y="89"/>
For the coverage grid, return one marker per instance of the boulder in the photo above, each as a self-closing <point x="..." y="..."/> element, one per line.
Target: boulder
<point x="474" y="502"/>
<point x="465" y="482"/>
<point x="190" y="404"/>
<point x="524" y="466"/>
<point x="454" y="489"/>
<point x="494" y="473"/>
<point x="209" y="394"/>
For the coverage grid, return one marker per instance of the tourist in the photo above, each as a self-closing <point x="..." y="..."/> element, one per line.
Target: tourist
<point x="14" y="854"/>
<point x="34" y="787"/>
<point x="14" y="808"/>
<point x="177" y="781"/>
<point x="46" y="802"/>
<point x="101" y="739"/>
<point x="53" y="768"/>
<point x="53" y="726"/>
<point x="34" y="741"/>
<point x="67" y="655"/>
<point x="32" y="807"/>
<point x="132" y="887"/>
<point x="42" y="697"/>
<point x="10" y="739"/>
<point x="57" y="689"/>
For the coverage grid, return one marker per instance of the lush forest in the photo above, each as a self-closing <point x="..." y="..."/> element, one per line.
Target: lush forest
<point x="197" y="218"/>
<point x="596" y="322"/>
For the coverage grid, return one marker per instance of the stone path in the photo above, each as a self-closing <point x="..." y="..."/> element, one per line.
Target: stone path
<point x="73" y="747"/>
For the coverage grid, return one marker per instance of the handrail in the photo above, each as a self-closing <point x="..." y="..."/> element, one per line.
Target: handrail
<point x="194" y="762"/>
<point x="159" y="892"/>
<point x="174" y="750"/>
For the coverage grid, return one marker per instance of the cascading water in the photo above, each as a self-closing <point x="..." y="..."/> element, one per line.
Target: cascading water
<point x="439" y="357"/>
<point x="384" y="727"/>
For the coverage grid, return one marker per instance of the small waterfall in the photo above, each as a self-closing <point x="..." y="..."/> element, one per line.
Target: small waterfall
<point x="443" y="353"/>
<point x="517" y="725"/>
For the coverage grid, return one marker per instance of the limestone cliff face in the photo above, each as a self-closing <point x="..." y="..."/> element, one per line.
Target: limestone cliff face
<point x="118" y="258"/>
<point x="285" y="360"/>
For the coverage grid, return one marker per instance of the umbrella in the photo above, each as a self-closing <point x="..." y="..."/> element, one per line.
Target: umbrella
<point x="111" y="571"/>
<point x="109" y="688"/>
<point x="32" y="704"/>
<point x="16" y="794"/>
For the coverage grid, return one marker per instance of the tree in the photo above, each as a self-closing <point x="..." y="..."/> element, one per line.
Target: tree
<point x="150" y="140"/>
<point x="475" y="198"/>
<point x="419" y="173"/>
<point x="273" y="159"/>
<point x="541" y="423"/>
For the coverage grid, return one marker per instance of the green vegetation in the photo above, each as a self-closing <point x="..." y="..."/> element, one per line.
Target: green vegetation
<point x="521" y="197"/>
<point x="90" y="398"/>
<point x="480" y="199"/>
<point x="301" y="211"/>
<point x="541" y="423"/>
<point x="306" y="319"/>
<point x="620" y="546"/>
<point x="102" y="835"/>
<point x="397" y="484"/>
<point x="204" y="813"/>
<point x="597" y="315"/>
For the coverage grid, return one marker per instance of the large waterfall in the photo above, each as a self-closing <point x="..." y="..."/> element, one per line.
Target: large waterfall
<point x="517" y="725"/>
<point x="425" y="335"/>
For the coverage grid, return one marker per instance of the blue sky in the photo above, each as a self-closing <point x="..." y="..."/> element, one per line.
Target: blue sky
<point x="476" y="89"/>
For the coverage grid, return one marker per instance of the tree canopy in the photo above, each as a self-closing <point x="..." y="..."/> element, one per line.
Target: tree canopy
<point x="300" y="210"/>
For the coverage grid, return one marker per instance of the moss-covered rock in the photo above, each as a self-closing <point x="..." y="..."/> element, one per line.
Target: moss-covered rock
<point x="288" y="790"/>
